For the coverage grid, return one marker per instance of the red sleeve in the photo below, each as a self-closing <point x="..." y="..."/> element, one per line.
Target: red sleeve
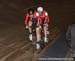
<point x="26" y="19"/>
<point x="38" y="17"/>
<point x="40" y="20"/>
<point x="48" y="19"/>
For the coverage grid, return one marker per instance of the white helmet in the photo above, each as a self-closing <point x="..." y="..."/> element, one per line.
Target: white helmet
<point x="40" y="9"/>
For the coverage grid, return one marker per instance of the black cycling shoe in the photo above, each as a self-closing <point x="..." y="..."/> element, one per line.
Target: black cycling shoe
<point x="42" y="44"/>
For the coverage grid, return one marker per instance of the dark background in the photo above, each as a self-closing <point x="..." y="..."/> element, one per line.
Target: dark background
<point x="62" y="12"/>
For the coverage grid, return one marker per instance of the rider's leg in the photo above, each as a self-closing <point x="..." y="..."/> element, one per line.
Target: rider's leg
<point x="38" y="37"/>
<point x="48" y="29"/>
<point x="30" y="30"/>
<point x="45" y="32"/>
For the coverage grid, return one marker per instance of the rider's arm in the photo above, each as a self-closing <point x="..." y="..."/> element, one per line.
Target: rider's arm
<point x="39" y="19"/>
<point x="47" y="18"/>
<point x="26" y="19"/>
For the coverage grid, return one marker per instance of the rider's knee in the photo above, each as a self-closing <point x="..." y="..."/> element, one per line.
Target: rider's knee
<point x="29" y="23"/>
<point x="37" y="28"/>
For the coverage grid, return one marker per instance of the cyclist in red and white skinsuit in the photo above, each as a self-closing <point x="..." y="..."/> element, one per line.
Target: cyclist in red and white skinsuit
<point x="45" y="21"/>
<point x="33" y="17"/>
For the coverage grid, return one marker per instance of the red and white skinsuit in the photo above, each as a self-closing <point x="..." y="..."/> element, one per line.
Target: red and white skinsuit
<point x="39" y="21"/>
<point x="35" y="15"/>
<point x="44" y="17"/>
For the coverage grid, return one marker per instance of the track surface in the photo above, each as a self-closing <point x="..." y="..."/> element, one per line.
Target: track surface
<point x="14" y="44"/>
<point x="57" y="50"/>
